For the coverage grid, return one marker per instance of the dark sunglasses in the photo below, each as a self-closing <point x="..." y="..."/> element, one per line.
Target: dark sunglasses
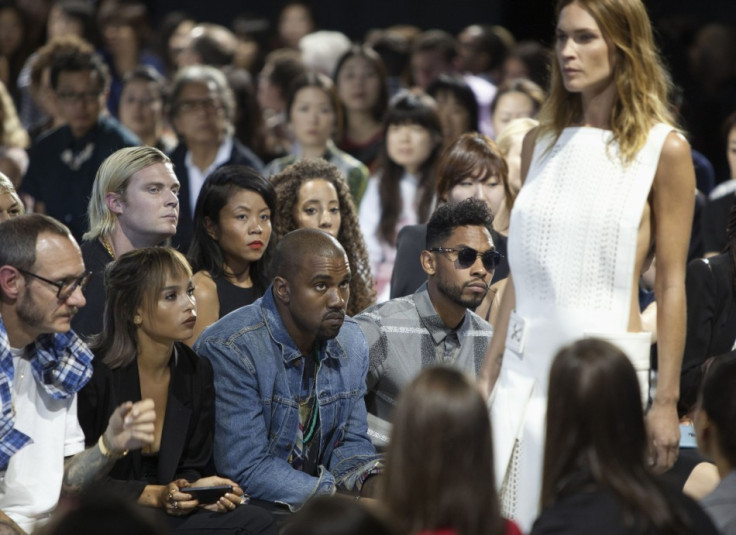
<point x="64" y="288"/>
<point x="467" y="256"/>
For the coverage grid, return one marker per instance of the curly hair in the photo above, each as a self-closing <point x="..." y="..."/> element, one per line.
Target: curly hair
<point x="640" y="77"/>
<point x="288" y="183"/>
<point x="449" y="216"/>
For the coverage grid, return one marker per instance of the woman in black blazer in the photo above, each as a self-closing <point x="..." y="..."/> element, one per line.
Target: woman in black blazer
<point x="150" y="308"/>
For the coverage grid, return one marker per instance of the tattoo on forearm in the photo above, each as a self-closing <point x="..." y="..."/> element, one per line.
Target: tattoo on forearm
<point x="85" y="468"/>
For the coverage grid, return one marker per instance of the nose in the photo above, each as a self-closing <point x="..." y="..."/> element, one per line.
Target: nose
<point x="173" y="199"/>
<point x="337" y="299"/>
<point x="325" y="220"/>
<point x="567" y="49"/>
<point x="478" y="269"/>
<point x="479" y="193"/>
<point x="76" y="298"/>
<point x="256" y="227"/>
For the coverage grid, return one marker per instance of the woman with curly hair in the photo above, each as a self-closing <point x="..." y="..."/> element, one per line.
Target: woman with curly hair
<point x="313" y="194"/>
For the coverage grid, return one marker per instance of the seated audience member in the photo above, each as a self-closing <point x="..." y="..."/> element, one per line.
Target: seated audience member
<point x="436" y="324"/>
<point x="483" y="49"/>
<point x="313" y="112"/>
<point x="248" y="125"/>
<point x="530" y="60"/>
<point x="10" y="204"/>
<point x="43" y="365"/>
<point x="209" y="44"/>
<point x="711" y="314"/>
<point x="515" y="99"/>
<point x="134" y="204"/>
<point x="336" y="515"/>
<point x="314" y="194"/>
<point x="714" y="427"/>
<point x="439" y="466"/>
<point x="232" y="234"/>
<point x="290" y="379"/>
<point x="150" y="309"/>
<point x="456" y="106"/>
<point x="361" y="84"/>
<point x="295" y="21"/>
<point x="202" y="109"/>
<point x="142" y="107"/>
<point x="472" y="166"/>
<point x="720" y="200"/>
<point x="64" y="162"/>
<point x="402" y="191"/>
<point x="281" y="68"/>
<point x="593" y="480"/>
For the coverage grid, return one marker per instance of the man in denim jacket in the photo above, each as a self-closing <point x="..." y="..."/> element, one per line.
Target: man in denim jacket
<point x="290" y="376"/>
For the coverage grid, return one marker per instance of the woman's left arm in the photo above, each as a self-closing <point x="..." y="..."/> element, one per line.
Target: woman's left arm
<point x="673" y="197"/>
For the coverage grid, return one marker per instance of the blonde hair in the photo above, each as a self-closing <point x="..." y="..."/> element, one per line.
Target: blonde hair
<point x="6" y="187"/>
<point x="12" y="134"/>
<point x="113" y="177"/>
<point x="641" y="80"/>
<point x="517" y="127"/>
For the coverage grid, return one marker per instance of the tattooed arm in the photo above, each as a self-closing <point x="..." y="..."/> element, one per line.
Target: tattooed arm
<point x="8" y="527"/>
<point x="130" y="427"/>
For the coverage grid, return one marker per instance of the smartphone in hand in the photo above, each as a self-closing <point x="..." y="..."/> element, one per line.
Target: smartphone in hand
<point x="207" y="495"/>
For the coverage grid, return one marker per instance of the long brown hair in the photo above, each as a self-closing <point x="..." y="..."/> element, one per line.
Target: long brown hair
<point x="439" y="466"/>
<point x="407" y="108"/>
<point x="594" y="402"/>
<point x="640" y="77"/>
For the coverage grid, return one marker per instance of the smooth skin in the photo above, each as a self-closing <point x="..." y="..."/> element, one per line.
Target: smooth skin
<point x="665" y="220"/>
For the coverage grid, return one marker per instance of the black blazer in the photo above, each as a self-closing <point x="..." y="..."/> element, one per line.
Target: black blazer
<point x="408" y="274"/>
<point x="187" y="436"/>
<point x="711" y="319"/>
<point x="240" y="155"/>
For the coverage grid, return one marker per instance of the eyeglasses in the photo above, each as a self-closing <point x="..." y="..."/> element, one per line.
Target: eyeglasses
<point x="207" y="104"/>
<point x="85" y="96"/>
<point x="467" y="256"/>
<point x="66" y="287"/>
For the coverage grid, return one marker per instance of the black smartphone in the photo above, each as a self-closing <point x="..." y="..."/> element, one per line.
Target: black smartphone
<point x="207" y="495"/>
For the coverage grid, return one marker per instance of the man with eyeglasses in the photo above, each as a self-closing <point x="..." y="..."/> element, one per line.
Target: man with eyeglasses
<point x="63" y="163"/>
<point x="43" y="365"/>
<point x="202" y="109"/>
<point x="435" y="325"/>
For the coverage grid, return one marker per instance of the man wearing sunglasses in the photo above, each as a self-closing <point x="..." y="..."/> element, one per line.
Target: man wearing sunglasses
<point x="43" y="365"/>
<point x="435" y="325"/>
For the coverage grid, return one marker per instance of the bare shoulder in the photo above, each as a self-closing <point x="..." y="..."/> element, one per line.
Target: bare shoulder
<point x="675" y="162"/>
<point x="675" y="146"/>
<point x="204" y="285"/>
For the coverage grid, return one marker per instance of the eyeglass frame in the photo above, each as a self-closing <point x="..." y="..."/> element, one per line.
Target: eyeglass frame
<point x="78" y="282"/>
<point x="493" y="252"/>
<point x="86" y="97"/>
<point x="209" y="104"/>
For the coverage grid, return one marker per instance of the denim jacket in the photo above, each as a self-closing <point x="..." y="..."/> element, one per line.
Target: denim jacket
<point x="258" y="371"/>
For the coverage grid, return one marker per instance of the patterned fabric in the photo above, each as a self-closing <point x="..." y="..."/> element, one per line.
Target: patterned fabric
<point x="305" y="454"/>
<point x="61" y="364"/>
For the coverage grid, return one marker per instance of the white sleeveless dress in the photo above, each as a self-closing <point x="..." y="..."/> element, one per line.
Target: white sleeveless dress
<point x="572" y="253"/>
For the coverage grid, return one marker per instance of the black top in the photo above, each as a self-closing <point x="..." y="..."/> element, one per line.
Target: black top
<point x="62" y="169"/>
<point x="408" y="274"/>
<point x="232" y="297"/>
<point x="88" y="320"/>
<point x="598" y="511"/>
<point x="240" y="155"/>
<point x="715" y="220"/>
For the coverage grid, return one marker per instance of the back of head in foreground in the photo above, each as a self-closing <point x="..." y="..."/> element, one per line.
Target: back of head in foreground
<point x="717" y="413"/>
<point x="596" y="437"/>
<point x="335" y="515"/>
<point x="439" y="465"/>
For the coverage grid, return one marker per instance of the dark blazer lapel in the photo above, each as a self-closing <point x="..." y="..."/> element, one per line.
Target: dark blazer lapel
<point x="129" y="387"/>
<point x="174" y="433"/>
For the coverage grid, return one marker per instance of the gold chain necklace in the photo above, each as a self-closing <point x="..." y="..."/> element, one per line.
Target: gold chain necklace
<point x="108" y="247"/>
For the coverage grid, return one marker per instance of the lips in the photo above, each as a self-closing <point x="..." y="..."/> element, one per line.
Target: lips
<point x="335" y="317"/>
<point x="477" y="286"/>
<point x="255" y="245"/>
<point x="191" y="321"/>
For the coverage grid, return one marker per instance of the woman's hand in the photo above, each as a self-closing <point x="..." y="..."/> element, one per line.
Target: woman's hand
<point x="226" y="503"/>
<point x="174" y="501"/>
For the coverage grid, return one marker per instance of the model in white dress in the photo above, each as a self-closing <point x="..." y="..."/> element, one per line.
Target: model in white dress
<point x="572" y="251"/>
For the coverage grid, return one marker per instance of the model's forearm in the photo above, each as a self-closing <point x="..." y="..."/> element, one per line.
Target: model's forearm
<point x="494" y="354"/>
<point x="671" y="328"/>
<point x="85" y="468"/>
<point x="8" y="527"/>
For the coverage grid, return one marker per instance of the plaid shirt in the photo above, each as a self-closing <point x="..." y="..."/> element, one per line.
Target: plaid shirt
<point x="61" y="364"/>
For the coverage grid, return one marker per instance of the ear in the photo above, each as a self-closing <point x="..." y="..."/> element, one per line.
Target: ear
<point x="211" y="228"/>
<point x="281" y="290"/>
<point x="114" y="203"/>
<point x="9" y="278"/>
<point x="429" y="262"/>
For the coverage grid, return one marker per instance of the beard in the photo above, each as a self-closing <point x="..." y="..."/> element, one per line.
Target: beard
<point x="28" y="311"/>
<point x="455" y="294"/>
<point x="328" y="331"/>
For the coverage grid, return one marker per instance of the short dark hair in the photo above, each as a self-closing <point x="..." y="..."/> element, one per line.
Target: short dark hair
<point x="297" y="244"/>
<point x="718" y="400"/>
<point x="458" y="88"/>
<point x="146" y="73"/>
<point x="79" y="61"/>
<point x="19" y="235"/>
<point x="449" y="216"/>
<point x="214" y="43"/>
<point x="436" y="40"/>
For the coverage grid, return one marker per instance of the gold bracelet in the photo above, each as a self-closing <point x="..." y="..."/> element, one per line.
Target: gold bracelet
<point x="107" y="451"/>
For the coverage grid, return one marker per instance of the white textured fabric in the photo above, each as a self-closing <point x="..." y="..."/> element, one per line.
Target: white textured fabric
<point x="572" y="250"/>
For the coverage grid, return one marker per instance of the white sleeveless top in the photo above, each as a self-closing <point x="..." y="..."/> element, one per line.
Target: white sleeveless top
<point x="572" y="252"/>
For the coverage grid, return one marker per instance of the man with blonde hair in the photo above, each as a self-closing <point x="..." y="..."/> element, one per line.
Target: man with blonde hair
<point x="134" y="203"/>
